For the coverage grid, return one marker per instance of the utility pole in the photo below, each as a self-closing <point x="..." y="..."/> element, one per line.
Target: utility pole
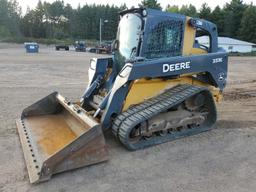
<point x="100" y="30"/>
<point x="105" y="21"/>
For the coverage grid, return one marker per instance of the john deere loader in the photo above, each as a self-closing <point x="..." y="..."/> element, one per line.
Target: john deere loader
<point x="160" y="84"/>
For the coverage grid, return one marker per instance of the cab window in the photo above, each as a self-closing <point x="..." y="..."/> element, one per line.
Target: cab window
<point x="164" y="40"/>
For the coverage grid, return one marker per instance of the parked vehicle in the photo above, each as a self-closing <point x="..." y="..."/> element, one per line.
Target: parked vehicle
<point x="91" y="49"/>
<point x="61" y="46"/>
<point x="80" y="46"/>
<point x="104" y="48"/>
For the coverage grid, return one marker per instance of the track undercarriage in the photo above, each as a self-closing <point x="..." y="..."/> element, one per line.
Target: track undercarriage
<point x="178" y="112"/>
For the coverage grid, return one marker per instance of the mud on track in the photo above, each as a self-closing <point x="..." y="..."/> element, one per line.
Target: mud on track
<point x="219" y="160"/>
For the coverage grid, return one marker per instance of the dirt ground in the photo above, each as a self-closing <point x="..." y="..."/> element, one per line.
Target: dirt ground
<point x="220" y="160"/>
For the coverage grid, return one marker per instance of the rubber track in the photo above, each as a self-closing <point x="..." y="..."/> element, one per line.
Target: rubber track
<point x="137" y="114"/>
<point x="120" y="118"/>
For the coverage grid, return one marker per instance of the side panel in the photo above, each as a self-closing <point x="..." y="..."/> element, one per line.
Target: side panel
<point x="151" y="88"/>
<point x="212" y="64"/>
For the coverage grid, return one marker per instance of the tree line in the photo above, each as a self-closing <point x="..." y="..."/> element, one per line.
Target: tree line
<point x="58" y="20"/>
<point x="235" y="19"/>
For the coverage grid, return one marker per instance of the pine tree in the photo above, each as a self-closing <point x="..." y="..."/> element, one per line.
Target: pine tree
<point x="153" y="4"/>
<point x="172" y="9"/>
<point x="188" y="10"/>
<point x="233" y="15"/>
<point x="248" y="25"/>
<point x="218" y="17"/>
<point x="205" y="12"/>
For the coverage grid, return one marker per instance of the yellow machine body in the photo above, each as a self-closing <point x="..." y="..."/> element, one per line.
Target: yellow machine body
<point x="143" y="89"/>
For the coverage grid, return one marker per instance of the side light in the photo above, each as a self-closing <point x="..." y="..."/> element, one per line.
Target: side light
<point x="144" y="13"/>
<point x="93" y="64"/>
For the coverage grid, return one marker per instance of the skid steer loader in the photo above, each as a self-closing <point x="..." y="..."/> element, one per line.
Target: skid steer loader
<point x="160" y="84"/>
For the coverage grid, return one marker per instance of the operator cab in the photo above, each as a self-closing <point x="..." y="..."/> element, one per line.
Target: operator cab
<point x="146" y="34"/>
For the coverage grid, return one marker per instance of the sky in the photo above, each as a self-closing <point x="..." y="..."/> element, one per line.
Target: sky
<point x="212" y="3"/>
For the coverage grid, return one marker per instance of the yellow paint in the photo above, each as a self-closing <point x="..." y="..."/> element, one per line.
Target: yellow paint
<point x="51" y="133"/>
<point x="189" y="39"/>
<point x="144" y="89"/>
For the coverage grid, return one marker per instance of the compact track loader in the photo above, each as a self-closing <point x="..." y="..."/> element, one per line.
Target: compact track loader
<point x="161" y="84"/>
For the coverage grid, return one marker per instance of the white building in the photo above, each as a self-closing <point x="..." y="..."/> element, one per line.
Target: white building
<point x="230" y="44"/>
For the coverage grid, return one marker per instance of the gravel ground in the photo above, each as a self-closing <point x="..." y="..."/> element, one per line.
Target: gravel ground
<point x="220" y="160"/>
